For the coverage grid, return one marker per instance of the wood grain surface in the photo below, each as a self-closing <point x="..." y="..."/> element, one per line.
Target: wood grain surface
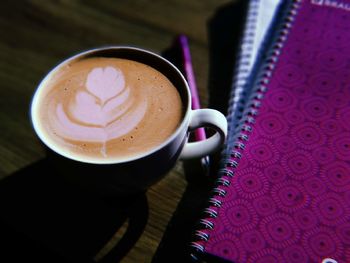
<point x="35" y="35"/>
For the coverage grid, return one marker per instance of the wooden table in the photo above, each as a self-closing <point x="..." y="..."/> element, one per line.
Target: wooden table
<point x="35" y="35"/>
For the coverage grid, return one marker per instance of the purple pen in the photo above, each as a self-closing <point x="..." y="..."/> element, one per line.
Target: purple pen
<point x="199" y="134"/>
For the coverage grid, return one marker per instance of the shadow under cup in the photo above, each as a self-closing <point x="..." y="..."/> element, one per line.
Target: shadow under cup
<point x="139" y="172"/>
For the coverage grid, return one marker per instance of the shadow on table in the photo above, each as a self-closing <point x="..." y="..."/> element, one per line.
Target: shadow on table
<point x="223" y="34"/>
<point x="46" y="219"/>
<point x="224" y="31"/>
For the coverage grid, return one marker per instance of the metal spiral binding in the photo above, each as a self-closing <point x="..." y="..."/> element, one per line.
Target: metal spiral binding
<point x="225" y="172"/>
<point x="230" y="163"/>
<point x="215" y="202"/>
<point x="211" y="212"/>
<point x="219" y="192"/>
<point x="223" y="181"/>
<point x="207" y="224"/>
<point x="202" y="235"/>
<point x="236" y="146"/>
<point x="243" y="67"/>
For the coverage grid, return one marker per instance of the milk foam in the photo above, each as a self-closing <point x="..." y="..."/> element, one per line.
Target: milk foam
<point x="96" y="111"/>
<point x="102" y="107"/>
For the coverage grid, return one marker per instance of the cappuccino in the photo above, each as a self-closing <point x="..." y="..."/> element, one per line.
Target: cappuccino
<point x="103" y="108"/>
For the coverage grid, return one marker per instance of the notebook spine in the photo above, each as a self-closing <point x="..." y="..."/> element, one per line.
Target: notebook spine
<point x="243" y="131"/>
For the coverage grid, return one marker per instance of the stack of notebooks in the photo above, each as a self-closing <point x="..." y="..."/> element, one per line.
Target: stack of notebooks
<point x="283" y="191"/>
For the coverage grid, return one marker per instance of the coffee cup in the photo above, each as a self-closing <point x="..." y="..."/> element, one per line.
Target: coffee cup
<point x="116" y="119"/>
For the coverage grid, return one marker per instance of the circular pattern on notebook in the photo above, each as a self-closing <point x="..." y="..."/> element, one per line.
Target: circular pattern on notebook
<point x="314" y="14"/>
<point x="264" y="205"/>
<point x="272" y="125"/>
<point x="343" y="116"/>
<point x="340" y="144"/>
<point x="281" y="100"/>
<point x="330" y="127"/>
<point x="339" y="99"/>
<point x="339" y="21"/>
<point x="335" y="36"/>
<point x="243" y="162"/>
<point x="305" y="219"/>
<point x="314" y="186"/>
<point x="295" y="254"/>
<point x="311" y="68"/>
<point x="331" y="59"/>
<point x="285" y="144"/>
<point x="299" y="164"/>
<point x="266" y="255"/>
<point x="240" y="216"/>
<point x="219" y="228"/>
<point x="275" y="173"/>
<point x="308" y="135"/>
<point x="343" y="232"/>
<point x="307" y="31"/>
<point x="337" y="176"/>
<point x="261" y="153"/>
<point x="279" y="230"/>
<point x="323" y="155"/>
<point x="299" y="51"/>
<point x="231" y="192"/>
<point x="342" y="77"/>
<point x="293" y="117"/>
<point x="316" y="109"/>
<point x="344" y="84"/>
<point x="289" y="196"/>
<point x="323" y="84"/>
<point x="253" y="241"/>
<point x="346" y="196"/>
<point x="301" y="91"/>
<point x="330" y="209"/>
<point x="228" y="247"/>
<point x="264" y="109"/>
<point x="321" y="243"/>
<point x="289" y="75"/>
<point x="251" y="183"/>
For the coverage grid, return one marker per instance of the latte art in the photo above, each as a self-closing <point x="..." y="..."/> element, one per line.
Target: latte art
<point x="94" y="115"/>
<point x="109" y="107"/>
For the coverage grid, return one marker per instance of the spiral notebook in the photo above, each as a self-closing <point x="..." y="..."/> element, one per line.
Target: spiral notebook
<point x="260" y="14"/>
<point x="283" y="194"/>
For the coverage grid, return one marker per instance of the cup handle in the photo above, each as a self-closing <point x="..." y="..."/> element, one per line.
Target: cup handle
<point x="205" y="118"/>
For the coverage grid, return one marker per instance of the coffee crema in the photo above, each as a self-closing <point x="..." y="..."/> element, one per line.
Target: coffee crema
<point x="108" y="108"/>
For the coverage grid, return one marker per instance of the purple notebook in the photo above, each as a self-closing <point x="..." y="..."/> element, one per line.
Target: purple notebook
<point x="284" y="193"/>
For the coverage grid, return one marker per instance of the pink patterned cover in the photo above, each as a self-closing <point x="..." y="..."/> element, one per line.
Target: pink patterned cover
<point x="289" y="198"/>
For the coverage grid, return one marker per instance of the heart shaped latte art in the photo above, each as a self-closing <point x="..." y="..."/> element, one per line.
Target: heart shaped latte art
<point x="105" y="109"/>
<point x="105" y="83"/>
